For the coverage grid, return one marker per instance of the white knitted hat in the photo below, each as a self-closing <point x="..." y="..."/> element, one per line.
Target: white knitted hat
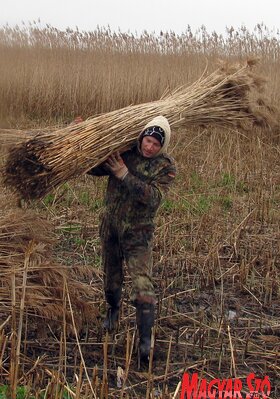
<point x="162" y="122"/>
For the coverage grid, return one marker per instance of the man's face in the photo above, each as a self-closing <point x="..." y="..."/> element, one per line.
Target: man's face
<point x="150" y="146"/>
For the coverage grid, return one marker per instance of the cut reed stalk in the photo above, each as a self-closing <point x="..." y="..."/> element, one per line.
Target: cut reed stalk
<point x="227" y="97"/>
<point x="22" y="307"/>
<point x="13" y="383"/>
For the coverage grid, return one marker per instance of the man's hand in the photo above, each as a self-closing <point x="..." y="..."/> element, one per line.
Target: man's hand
<point x="117" y="166"/>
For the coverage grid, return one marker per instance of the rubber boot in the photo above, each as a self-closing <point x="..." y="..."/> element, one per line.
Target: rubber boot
<point x="145" y="318"/>
<point x="113" y="299"/>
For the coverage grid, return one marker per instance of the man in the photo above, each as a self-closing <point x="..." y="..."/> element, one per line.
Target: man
<point x="138" y="179"/>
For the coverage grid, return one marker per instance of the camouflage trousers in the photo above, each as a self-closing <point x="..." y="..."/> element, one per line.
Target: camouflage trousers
<point x="121" y="242"/>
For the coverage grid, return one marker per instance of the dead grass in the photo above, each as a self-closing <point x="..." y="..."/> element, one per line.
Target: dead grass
<point x="216" y="273"/>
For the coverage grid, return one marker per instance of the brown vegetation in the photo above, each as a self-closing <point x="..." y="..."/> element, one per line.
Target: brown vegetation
<point x="26" y="242"/>
<point x="48" y="74"/>
<point x="216" y="253"/>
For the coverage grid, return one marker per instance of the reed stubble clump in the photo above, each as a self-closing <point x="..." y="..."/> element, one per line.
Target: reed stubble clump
<point x="31" y="275"/>
<point x="224" y="98"/>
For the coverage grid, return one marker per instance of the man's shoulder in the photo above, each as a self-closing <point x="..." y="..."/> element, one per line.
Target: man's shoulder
<point x="168" y="158"/>
<point x="132" y="151"/>
<point x="129" y="154"/>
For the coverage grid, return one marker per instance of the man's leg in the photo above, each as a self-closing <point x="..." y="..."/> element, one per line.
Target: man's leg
<point x="138" y="255"/>
<point x="112" y="262"/>
<point x="145" y="319"/>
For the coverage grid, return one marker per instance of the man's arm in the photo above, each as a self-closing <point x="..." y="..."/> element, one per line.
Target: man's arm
<point x="99" y="170"/>
<point x="146" y="193"/>
<point x="151" y="193"/>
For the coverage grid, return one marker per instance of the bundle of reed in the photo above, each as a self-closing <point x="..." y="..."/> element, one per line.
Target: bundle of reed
<point x="33" y="284"/>
<point x="11" y="136"/>
<point x="225" y="98"/>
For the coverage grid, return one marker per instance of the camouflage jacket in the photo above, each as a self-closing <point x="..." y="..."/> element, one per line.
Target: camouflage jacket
<point x="135" y="199"/>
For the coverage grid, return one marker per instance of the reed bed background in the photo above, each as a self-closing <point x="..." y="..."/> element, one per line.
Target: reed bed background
<point x="48" y="74"/>
<point x="216" y="252"/>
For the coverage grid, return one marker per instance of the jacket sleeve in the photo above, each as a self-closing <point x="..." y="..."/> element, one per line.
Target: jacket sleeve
<point x="99" y="170"/>
<point x="150" y="193"/>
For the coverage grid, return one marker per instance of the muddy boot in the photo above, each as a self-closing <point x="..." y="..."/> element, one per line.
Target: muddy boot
<point x="112" y="316"/>
<point x="145" y="317"/>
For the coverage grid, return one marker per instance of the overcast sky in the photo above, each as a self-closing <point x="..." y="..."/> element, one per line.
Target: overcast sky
<point x="135" y="16"/>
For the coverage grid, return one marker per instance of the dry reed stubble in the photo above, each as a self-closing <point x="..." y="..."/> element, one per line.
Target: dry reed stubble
<point x="32" y="295"/>
<point x="239" y="287"/>
<point x="45" y="278"/>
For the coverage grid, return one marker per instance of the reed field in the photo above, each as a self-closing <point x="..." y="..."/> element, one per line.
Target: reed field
<point x="217" y="243"/>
